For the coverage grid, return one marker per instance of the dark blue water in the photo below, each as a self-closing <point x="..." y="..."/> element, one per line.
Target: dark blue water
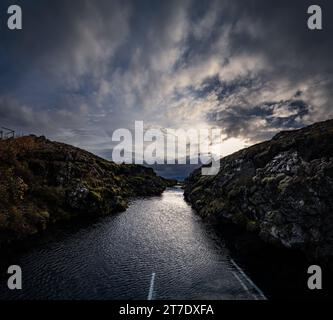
<point x="115" y="257"/>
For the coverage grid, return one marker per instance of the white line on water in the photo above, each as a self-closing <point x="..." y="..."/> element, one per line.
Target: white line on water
<point x="244" y="285"/>
<point x="248" y="279"/>
<point x="151" y="289"/>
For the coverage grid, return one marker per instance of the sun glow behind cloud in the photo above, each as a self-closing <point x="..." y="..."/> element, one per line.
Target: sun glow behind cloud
<point x="172" y="64"/>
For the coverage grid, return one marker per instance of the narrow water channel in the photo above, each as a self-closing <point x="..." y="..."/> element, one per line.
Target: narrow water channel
<point x="159" y="248"/>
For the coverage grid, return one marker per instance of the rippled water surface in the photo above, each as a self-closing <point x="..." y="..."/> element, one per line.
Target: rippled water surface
<point x="115" y="258"/>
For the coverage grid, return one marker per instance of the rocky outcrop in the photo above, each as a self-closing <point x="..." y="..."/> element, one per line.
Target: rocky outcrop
<point x="281" y="189"/>
<point x="42" y="182"/>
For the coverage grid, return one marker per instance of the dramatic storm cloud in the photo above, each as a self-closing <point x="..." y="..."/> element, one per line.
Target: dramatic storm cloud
<point x="81" y="69"/>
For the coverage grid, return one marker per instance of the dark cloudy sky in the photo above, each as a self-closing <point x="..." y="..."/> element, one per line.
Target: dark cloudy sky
<point x="80" y="69"/>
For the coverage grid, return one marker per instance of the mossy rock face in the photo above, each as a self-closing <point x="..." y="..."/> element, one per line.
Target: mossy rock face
<point x="120" y="204"/>
<point x="42" y="182"/>
<point x="280" y="189"/>
<point x="197" y="190"/>
<point x="234" y="192"/>
<point x="253" y="226"/>
<point x="284" y="184"/>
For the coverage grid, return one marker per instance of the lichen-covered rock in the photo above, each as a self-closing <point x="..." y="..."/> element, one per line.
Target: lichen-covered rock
<point x="42" y="182"/>
<point x="282" y="189"/>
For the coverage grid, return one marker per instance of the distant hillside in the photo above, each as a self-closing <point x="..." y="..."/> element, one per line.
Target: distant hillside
<point x="174" y="171"/>
<point x="42" y="182"/>
<point x="281" y="189"/>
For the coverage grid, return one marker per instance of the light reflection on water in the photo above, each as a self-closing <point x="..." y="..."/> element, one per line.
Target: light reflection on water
<point x="115" y="257"/>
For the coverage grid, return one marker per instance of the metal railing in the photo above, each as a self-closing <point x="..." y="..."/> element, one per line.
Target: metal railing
<point x="6" y="133"/>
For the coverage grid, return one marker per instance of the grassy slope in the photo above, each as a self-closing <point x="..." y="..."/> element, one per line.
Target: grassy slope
<point x="42" y="182"/>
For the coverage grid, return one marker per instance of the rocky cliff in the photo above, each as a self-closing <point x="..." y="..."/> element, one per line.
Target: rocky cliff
<point x="281" y="190"/>
<point x="42" y="182"/>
